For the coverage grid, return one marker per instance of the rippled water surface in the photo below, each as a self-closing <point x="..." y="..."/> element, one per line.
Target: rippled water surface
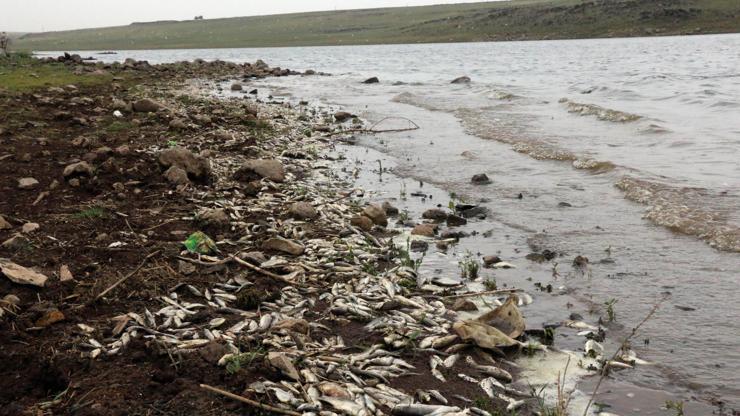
<point x="640" y="137"/>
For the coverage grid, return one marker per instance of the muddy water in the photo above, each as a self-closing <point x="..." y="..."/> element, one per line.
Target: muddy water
<point x="639" y="137"/>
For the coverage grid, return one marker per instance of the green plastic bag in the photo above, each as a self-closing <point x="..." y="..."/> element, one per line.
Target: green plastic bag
<point x="200" y="243"/>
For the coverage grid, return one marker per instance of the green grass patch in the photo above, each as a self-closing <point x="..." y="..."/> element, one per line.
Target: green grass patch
<point x="20" y="72"/>
<point x="91" y="213"/>
<point x="118" y="126"/>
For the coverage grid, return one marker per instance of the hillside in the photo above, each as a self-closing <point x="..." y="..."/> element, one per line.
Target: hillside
<point x="486" y="21"/>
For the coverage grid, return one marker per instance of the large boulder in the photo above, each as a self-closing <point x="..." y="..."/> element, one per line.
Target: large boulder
<point x="146" y="106"/>
<point x="377" y="214"/>
<point x="261" y="168"/>
<point x="195" y="166"/>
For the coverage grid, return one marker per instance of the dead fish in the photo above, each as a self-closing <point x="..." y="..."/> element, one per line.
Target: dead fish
<point x="345" y="406"/>
<point x="450" y="361"/>
<point x="421" y="409"/>
<point x="467" y="378"/>
<point x="579" y="325"/>
<point x="490" y="370"/>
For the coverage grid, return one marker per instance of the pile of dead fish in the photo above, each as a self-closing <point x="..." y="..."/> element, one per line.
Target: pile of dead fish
<point x="319" y="374"/>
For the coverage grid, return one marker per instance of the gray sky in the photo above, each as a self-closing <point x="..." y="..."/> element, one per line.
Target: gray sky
<point x="46" y="15"/>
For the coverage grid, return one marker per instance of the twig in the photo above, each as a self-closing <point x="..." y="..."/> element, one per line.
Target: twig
<point x="236" y="259"/>
<point x="490" y="292"/>
<point x="123" y="279"/>
<point x="604" y="370"/>
<point x="249" y="401"/>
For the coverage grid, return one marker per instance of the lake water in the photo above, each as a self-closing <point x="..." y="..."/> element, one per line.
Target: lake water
<point x="640" y="137"/>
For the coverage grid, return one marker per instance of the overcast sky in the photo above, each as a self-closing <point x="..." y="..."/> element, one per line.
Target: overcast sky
<point x="46" y="15"/>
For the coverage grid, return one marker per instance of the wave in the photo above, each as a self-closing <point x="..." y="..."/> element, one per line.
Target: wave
<point x="603" y="114"/>
<point x="689" y="211"/>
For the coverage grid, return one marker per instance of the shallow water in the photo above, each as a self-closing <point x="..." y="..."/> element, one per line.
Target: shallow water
<point x="640" y="136"/>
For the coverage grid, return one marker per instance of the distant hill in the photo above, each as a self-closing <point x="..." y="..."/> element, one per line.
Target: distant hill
<point x="486" y="21"/>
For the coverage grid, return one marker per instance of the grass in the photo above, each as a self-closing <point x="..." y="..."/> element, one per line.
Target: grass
<point x="91" y="213"/>
<point x="469" y="267"/>
<point x="484" y="21"/>
<point x="118" y="126"/>
<point x="21" y="73"/>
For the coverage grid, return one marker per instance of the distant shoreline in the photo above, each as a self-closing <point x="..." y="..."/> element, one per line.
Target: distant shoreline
<point x="519" y="20"/>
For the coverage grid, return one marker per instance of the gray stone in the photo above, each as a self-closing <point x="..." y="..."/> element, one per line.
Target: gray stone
<point x="261" y="168"/>
<point x="79" y="169"/>
<point x="377" y="214"/>
<point x="286" y="246"/>
<point x="146" y="106"/>
<point x="456" y="221"/>
<point x="303" y="211"/>
<point x="480" y="179"/>
<point x="176" y="176"/>
<point x="27" y="183"/>
<point x="195" y="166"/>
<point x="461" y="80"/>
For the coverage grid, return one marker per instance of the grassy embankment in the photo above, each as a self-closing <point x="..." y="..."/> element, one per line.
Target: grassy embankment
<point x="486" y="21"/>
<point x="19" y="73"/>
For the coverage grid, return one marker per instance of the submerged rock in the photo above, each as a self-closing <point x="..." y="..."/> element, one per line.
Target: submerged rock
<point x="480" y="179"/>
<point x="461" y="80"/>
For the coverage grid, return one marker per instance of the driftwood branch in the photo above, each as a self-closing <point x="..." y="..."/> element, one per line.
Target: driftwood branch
<point x="373" y="130"/>
<point x="249" y="401"/>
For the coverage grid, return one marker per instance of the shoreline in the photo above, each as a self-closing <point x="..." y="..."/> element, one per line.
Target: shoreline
<point x="281" y="299"/>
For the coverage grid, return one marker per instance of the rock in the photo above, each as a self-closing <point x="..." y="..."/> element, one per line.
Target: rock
<point x="453" y="235"/>
<point x="564" y="205"/>
<point x="79" y="169"/>
<point x="372" y="80"/>
<point x="580" y="261"/>
<point x="362" y="222"/>
<point x="27" y="183"/>
<point x="176" y="176"/>
<point x="435" y="214"/>
<point x="178" y="124"/>
<point x="464" y="305"/>
<point x="480" y="179"/>
<point x="65" y="274"/>
<point x="419" y="246"/>
<point x="389" y="209"/>
<point x="283" y="363"/>
<point x="236" y="87"/>
<point x="303" y="211"/>
<point x="377" y="214"/>
<point x="261" y="168"/>
<point x="341" y="116"/>
<point x="21" y="275"/>
<point x="74" y="182"/>
<point x="476" y="212"/>
<point x="50" y="317"/>
<point x="16" y="242"/>
<point x="456" y="221"/>
<point x="146" y="106"/>
<point x="461" y="80"/>
<point x="30" y="227"/>
<point x="489" y="261"/>
<point x="4" y="225"/>
<point x="213" y="352"/>
<point x="195" y="166"/>
<point x="425" y="230"/>
<point x="210" y="216"/>
<point x="122" y="150"/>
<point x="299" y="326"/>
<point x="284" y="245"/>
